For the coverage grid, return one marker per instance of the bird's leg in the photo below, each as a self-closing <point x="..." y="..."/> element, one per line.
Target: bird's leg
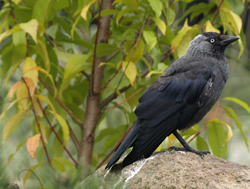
<point x="186" y="146"/>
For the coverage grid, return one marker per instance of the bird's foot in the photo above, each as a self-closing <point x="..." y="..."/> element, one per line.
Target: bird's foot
<point x="200" y="153"/>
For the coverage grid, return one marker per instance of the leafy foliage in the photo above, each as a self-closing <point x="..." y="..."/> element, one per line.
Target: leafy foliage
<point x="83" y="65"/>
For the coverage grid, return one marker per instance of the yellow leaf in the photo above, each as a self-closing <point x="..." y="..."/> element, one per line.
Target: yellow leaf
<point x="30" y="85"/>
<point x="86" y="8"/>
<point x="65" y="127"/>
<point x="43" y="131"/>
<point x="38" y="110"/>
<point x="234" y="19"/>
<point x="183" y="38"/>
<point x="30" y="28"/>
<point x="238" y="101"/>
<point x="13" y="89"/>
<point x="9" y="32"/>
<point x="32" y="144"/>
<point x="154" y="72"/>
<point x="41" y="97"/>
<point x="12" y="123"/>
<point x="45" y="72"/>
<point x="210" y="28"/>
<point x="29" y="63"/>
<point x="136" y="53"/>
<point x="160" y="24"/>
<point x="171" y="139"/>
<point x="158" y="148"/>
<point x="22" y="93"/>
<point x="130" y="71"/>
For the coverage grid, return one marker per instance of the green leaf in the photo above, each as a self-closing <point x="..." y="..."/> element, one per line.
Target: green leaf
<point x="150" y="39"/>
<point x="12" y="123"/>
<point x="64" y="126"/>
<point x="65" y="164"/>
<point x="106" y="13"/>
<point x="40" y="10"/>
<point x="170" y="16"/>
<point x="122" y="13"/>
<point x="201" y="144"/>
<point x="216" y="138"/>
<point x="105" y="49"/>
<point x="230" y="112"/>
<point x="73" y="67"/>
<point x="17" y="148"/>
<point x="238" y="101"/>
<point x="229" y="129"/>
<point x="27" y="175"/>
<point x="156" y="6"/>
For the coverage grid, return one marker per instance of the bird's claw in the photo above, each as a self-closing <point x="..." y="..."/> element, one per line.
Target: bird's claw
<point x="200" y="153"/>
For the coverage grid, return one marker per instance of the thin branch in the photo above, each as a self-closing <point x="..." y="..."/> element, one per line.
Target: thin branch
<point x="116" y="146"/>
<point x="12" y="11"/>
<point x="85" y="74"/>
<point x="113" y="96"/>
<point x="74" y="139"/>
<point x="62" y="105"/>
<point x="217" y="11"/>
<point x="108" y="58"/>
<point x="49" y="40"/>
<point x="27" y="45"/>
<point x="198" y="133"/>
<point x="124" y="101"/>
<point x="57" y="136"/>
<point x="37" y="122"/>
<point x="95" y="48"/>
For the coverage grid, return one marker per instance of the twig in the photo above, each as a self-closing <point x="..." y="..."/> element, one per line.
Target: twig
<point x="124" y="101"/>
<point x="57" y="136"/>
<point x="27" y="45"/>
<point x="37" y="122"/>
<point x="74" y="139"/>
<point x="85" y="74"/>
<point x="49" y="39"/>
<point x="116" y="146"/>
<point x="62" y="105"/>
<point x="12" y="11"/>
<point x="198" y="133"/>
<point x="217" y="11"/>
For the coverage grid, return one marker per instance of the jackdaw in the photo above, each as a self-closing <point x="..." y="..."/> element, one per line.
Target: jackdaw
<point x="178" y="99"/>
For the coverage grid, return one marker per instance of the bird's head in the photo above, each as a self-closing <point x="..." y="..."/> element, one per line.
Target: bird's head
<point x="210" y="44"/>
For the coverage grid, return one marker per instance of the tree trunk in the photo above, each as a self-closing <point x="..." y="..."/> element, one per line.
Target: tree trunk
<point x="93" y="107"/>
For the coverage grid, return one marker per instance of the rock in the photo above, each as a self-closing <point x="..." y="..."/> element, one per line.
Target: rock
<point x="178" y="170"/>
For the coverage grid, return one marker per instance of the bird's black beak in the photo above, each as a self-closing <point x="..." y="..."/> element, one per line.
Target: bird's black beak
<point x="228" y="39"/>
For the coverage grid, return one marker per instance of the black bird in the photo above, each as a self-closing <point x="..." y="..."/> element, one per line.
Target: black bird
<point x="178" y="99"/>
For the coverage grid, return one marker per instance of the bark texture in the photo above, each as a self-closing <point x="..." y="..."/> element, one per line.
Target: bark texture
<point x="93" y="101"/>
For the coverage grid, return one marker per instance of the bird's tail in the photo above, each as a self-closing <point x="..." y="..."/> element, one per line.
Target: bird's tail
<point x="126" y="143"/>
